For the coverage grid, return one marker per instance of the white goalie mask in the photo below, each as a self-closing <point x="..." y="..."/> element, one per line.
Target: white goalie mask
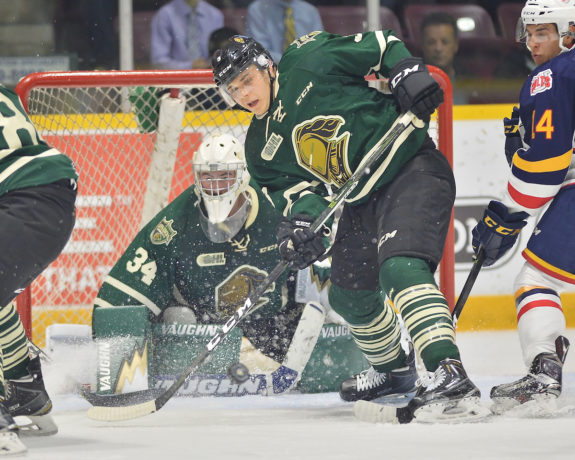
<point x="221" y="178"/>
<point x="558" y="12"/>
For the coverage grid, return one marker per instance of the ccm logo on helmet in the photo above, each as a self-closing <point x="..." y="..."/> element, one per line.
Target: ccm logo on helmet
<point x="224" y="70"/>
<point x="404" y="73"/>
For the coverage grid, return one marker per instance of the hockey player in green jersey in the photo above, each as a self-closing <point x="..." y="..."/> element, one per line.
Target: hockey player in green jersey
<point x="315" y="119"/>
<point x="37" y="215"/>
<point x="207" y="251"/>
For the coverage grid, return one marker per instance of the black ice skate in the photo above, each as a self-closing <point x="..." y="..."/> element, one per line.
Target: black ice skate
<point x="370" y="384"/>
<point x="542" y="383"/>
<point x="10" y="443"/>
<point x="448" y="395"/>
<point x="29" y="403"/>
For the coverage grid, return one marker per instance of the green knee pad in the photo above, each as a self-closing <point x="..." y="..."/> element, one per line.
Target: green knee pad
<point x="356" y="307"/>
<point x="398" y="273"/>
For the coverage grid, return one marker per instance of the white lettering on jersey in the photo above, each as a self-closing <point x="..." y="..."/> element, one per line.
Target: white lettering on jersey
<point x="304" y="93"/>
<point x="272" y="146"/>
<point x="140" y="263"/>
<point x="279" y="113"/>
<point x="13" y="123"/>
<point x="541" y="82"/>
<point x="210" y="260"/>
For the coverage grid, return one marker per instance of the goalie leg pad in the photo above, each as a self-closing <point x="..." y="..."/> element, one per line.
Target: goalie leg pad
<point x="300" y="349"/>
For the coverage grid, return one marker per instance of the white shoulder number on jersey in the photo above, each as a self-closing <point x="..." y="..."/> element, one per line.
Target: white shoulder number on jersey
<point x="138" y="264"/>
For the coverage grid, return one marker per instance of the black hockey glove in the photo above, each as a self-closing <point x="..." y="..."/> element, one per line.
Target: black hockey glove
<point x="414" y="88"/>
<point x="497" y="231"/>
<point x="298" y="245"/>
<point x="513" y="140"/>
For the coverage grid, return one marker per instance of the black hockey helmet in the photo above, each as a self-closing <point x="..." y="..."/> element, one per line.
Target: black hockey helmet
<point x="239" y="53"/>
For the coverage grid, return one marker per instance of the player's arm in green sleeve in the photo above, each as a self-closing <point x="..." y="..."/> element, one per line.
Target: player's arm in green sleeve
<point x="361" y="54"/>
<point x="143" y="275"/>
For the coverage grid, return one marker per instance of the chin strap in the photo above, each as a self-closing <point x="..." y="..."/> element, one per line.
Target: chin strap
<point x="272" y="82"/>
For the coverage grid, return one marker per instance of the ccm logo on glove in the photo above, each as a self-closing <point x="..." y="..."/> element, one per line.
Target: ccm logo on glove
<point x="404" y="73"/>
<point x="500" y="228"/>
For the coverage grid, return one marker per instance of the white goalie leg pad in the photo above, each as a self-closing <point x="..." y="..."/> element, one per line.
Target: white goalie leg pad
<point x="300" y="349"/>
<point x="10" y="444"/>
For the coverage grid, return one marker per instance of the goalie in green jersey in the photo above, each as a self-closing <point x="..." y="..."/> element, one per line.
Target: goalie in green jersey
<point x="315" y="119"/>
<point x="198" y="260"/>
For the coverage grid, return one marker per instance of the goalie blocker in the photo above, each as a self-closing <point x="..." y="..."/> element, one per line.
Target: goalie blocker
<point x="135" y="355"/>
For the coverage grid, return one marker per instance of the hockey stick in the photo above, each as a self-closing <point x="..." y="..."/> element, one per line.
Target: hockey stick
<point x="141" y="403"/>
<point x="477" y="264"/>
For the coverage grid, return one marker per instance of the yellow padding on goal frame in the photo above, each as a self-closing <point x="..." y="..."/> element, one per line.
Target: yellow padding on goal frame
<point x="67" y="123"/>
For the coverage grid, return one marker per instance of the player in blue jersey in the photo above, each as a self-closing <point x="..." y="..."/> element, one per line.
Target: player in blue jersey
<point x="539" y="148"/>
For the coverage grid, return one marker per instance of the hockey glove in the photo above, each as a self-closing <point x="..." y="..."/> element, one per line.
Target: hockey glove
<point x="513" y="141"/>
<point x="298" y="245"/>
<point x="414" y="88"/>
<point x="497" y="231"/>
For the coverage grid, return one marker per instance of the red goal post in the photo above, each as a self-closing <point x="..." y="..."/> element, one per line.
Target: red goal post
<point x="132" y="162"/>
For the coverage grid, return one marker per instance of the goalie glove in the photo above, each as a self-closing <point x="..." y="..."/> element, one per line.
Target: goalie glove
<point x="513" y="141"/>
<point x="497" y="231"/>
<point x="297" y="244"/>
<point x="414" y="88"/>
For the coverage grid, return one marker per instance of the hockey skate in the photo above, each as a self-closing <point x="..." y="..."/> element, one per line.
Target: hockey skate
<point x="447" y="396"/>
<point x="29" y="403"/>
<point x="542" y="384"/>
<point x="10" y="443"/>
<point x="370" y="384"/>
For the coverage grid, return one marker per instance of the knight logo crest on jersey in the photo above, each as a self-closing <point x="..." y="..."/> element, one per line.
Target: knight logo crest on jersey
<point x="321" y="149"/>
<point x="231" y="293"/>
<point x="163" y="233"/>
<point x="541" y="82"/>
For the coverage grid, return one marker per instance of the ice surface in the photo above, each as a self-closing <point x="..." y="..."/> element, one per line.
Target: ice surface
<point x="321" y="426"/>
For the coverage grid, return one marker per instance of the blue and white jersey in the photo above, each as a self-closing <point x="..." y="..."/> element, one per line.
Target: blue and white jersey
<point x="547" y="108"/>
<point x="543" y="174"/>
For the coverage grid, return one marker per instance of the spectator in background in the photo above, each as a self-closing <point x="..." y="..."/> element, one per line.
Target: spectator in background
<point x="439" y="41"/>
<point x="439" y="46"/>
<point x="276" y="23"/>
<point x="180" y="34"/>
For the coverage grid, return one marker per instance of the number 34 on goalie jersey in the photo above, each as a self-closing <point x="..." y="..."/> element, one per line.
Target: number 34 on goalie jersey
<point x="140" y="263"/>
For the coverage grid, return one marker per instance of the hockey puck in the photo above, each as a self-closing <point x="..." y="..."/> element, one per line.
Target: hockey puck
<point x="238" y="373"/>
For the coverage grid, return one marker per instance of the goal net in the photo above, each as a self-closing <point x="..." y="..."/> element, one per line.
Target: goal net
<point x="132" y="135"/>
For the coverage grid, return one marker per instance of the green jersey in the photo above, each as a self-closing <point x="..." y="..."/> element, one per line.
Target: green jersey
<point x="325" y="118"/>
<point x="25" y="159"/>
<point x="172" y="262"/>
